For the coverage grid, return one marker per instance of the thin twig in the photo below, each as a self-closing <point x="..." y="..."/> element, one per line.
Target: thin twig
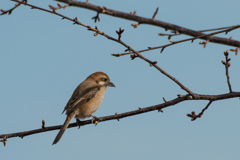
<point x="214" y="29"/>
<point x="155" y="13"/>
<point x="176" y="42"/>
<point x="206" y="30"/>
<point x="10" y="10"/>
<point x="227" y="64"/>
<point x="193" y="114"/>
<point x="59" y="7"/>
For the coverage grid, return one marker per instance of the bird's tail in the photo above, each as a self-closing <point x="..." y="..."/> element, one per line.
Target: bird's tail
<point x="64" y="127"/>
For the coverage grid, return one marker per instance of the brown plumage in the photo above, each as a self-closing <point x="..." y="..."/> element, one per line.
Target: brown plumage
<point x="86" y="99"/>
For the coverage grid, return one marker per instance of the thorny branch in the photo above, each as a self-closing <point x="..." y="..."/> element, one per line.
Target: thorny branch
<point x="150" y="21"/>
<point x="159" y="107"/>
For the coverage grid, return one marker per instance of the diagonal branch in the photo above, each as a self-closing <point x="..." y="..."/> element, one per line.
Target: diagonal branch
<point x="116" y="40"/>
<point x="154" y="22"/>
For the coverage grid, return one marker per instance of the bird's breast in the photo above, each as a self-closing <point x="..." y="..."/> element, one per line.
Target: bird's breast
<point x="88" y="109"/>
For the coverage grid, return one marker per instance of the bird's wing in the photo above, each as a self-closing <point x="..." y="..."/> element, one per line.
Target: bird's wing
<point x="80" y="99"/>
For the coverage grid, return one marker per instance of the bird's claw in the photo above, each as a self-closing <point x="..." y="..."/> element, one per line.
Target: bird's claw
<point x="95" y="120"/>
<point x="78" y="123"/>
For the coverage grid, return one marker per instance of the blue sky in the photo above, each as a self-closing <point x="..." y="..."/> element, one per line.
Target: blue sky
<point x="43" y="59"/>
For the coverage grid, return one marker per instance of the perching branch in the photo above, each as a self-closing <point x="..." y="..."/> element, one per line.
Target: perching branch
<point x="128" y="114"/>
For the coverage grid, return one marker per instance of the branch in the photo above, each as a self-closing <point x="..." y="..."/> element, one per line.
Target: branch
<point x="180" y="41"/>
<point x="155" y="13"/>
<point x="59" y="7"/>
<point x="10" y="10"/>
<point x="193" y="114"/>
<point x="154" y="22"/>
<point x="227" y="64"/>
<point x="128" y="114"/>
<point x="190" y="96"/>
<point x="206" y="30"/>
<point x="136" y="54"/>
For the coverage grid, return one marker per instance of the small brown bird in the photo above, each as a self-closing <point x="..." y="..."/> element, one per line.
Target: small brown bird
<point x="85" y="100"/>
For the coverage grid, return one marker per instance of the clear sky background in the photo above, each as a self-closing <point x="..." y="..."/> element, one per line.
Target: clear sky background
<point x="44" y="58"/>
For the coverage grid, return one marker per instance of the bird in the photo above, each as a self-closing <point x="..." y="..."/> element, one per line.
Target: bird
<point x="85" y="100"/>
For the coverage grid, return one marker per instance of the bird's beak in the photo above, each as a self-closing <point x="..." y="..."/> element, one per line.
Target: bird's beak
<point x="110" y="84"/>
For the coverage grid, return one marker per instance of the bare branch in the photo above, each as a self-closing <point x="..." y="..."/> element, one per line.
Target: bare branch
<point x="193" y="114"/>
<point x="176" y="42"/>
<point x="128" y="114"/>
<point x="227" y="64"/>
<point x="59" y="7"/>
<point x="10" y="10"/>
<point x="96" y="18"/>
<point x="154" y="22"/>
<point x="235" y="50"/>
<point x="206" y="30"/>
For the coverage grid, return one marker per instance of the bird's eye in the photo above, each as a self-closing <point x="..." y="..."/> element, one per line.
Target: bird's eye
<point x="104" y="79"/>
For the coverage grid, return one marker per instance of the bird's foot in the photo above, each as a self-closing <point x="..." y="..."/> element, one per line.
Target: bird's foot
<point x="95" y="120"/>
<point x="78" y="122"/>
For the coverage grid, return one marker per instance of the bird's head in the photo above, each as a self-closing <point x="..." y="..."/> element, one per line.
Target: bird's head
<point x="102" y="79"/>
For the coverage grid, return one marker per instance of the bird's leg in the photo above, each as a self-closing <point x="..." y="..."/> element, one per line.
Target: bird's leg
<point x="94" y="119"/>
<point x="78" y="122"/>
